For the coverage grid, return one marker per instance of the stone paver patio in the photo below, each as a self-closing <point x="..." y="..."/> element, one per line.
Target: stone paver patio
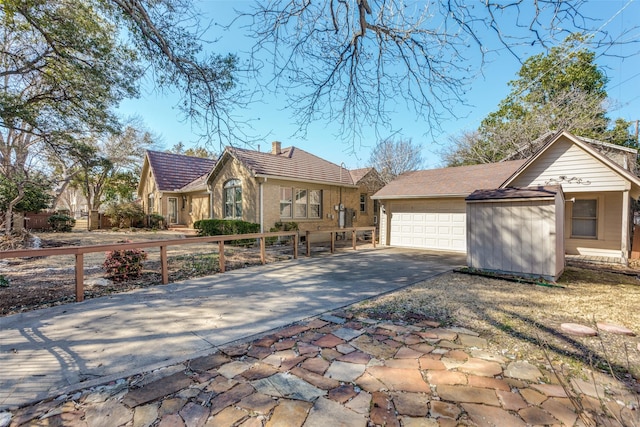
<point x="336" y="370"/>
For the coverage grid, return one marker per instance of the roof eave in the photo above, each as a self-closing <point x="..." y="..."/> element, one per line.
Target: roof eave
<point x="310" y="181"/>
<point x="420" y="196"/>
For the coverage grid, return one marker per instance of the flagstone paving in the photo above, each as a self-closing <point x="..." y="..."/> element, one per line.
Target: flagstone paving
<point x="337" y="371"/>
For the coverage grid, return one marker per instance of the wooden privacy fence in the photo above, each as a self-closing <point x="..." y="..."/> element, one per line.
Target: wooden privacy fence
<point x="80" y="251"/>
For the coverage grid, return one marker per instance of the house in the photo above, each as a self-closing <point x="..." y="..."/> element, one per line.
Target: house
<point x="174" y="186"/>
<point x="426" y="209"/>
<point x="291" y="185"/>
<point x="284" y="185"/>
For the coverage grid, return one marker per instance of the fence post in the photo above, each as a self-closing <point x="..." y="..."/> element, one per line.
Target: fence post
<point x="79" y="277"/>
<point x="333" y="242"/>
<point x="296" y="238"/>
<point x="164" y="266"/>
<point x="263" y="257"/>
<point x="373" y="236"/>
<point x="308" y="244"/>
<point x="353" y="238"/>
<point x="221" y="255"/>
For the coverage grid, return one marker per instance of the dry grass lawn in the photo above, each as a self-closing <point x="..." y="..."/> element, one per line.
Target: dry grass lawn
<point x="521" y="320"/>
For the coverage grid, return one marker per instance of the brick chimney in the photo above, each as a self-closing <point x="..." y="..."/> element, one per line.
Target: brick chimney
<point x="276" y="147"/>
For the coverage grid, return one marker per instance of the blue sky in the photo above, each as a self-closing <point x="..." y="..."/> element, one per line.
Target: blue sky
<point x="271" y="119"/>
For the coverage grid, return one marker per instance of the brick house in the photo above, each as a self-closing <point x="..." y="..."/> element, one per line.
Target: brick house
<point x="283" y="185"/>
<point x="291" y="185"/>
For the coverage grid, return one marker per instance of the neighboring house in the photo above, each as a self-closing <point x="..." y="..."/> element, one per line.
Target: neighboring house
<point x="291" y="185"/>
<point x="426" y="209"/>
<point x="174" y="186"/>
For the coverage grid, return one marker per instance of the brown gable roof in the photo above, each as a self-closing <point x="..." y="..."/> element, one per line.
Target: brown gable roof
<point x="175" y="171"/>
<point x="358" y="174"/>
<point x="535" y="192"/>
<point x="292" y="163"/>
<point x="455" y="181"/>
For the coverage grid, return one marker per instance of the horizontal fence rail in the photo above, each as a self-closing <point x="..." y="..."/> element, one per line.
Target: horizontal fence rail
<point x="80" y="251"/>
<point x="335" y="231"/>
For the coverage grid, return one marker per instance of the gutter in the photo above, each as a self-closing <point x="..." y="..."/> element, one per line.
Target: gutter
<point x="433" y="196"/>
<point x="286" y="178"/>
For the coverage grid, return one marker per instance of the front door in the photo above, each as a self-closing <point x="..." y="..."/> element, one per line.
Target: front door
<point x="173" y="210"/>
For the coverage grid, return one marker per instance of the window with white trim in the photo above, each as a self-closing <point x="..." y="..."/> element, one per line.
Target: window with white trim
<point x="285" y="202"/>
<point x="300" y="203"/>
<point x="584" y="219"/>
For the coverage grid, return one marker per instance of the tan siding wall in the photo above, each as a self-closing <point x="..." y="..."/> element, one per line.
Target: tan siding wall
<point x="384" y="224"/>
<point x="515" y="237"/>
<point x="609" y="238"/>
<point x="567" y="159"/>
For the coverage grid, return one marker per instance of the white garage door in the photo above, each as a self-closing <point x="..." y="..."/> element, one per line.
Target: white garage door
<point x="430" y="224"/>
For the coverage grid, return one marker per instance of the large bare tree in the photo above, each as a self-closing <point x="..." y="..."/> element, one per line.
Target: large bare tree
<point x="355" y="62"/>
<point x="392" y="157"/>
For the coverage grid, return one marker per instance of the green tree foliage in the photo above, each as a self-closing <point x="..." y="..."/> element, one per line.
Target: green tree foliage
<point x="125" y="214"/>
<point x="36" y="195"/>
<point x="563" y="89"/>
<point x="66" y="64"/>
<point x="108" y="167"/>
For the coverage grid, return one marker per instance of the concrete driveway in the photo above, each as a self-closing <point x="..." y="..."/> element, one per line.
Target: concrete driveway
<point x="58" y="349"/>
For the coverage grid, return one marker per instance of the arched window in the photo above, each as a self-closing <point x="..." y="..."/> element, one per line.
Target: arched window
<point x="233" y="199"/>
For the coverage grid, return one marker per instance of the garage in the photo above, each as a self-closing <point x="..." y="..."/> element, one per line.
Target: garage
<point x="426" y="209"/>
<point x="438" y="224"/>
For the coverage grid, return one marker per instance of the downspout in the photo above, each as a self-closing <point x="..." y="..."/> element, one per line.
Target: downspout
<point x="261" y="204"/>
<point x="210" y="191"/>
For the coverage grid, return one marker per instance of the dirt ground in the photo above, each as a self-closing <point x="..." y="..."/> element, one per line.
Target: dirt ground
<point x="521" y="320"/>
<point x="32" y="283"/>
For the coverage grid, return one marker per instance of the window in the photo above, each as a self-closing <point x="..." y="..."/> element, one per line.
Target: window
<point x="363" y="202"/>
<point x="300" y="203"/>
<point x="584" y="219"/>
<point x="150" y="204"/>
<point x="315" y="203"/>
<point x="285" y="202"/>
<point x="233" y="199"/>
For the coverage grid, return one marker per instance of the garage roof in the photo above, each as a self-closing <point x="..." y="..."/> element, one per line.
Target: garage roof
<point x="457" y="181"/>
<point x="510" y="193"/>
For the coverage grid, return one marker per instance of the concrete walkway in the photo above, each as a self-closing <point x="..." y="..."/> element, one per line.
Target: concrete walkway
<point x="54" y="350"/>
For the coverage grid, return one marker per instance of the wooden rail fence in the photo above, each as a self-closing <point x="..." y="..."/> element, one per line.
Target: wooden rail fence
<point x="335" y="231"/>
<point x="79" y="251"/>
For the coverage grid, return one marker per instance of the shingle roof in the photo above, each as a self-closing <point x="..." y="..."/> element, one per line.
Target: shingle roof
<point x="358" y="174"/>
<point x="460" y="180"/>
<point x="547" y="191"/>
<point x="174" y="171"/>
<point x="292" y="163"/>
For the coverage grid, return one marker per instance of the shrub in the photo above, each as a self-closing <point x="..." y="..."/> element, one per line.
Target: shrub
<point x="125" y="214"/>
<point x="282" y="226"/>
<point x="155" y="221"/>
<point x="124" y="264"/>
<point x="4" y="282"/>
<point x="61" y="222"/>
<point x="221" y="227"/>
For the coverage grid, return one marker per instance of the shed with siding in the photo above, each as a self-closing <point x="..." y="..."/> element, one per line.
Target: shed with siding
<point x="517" y="231"/>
